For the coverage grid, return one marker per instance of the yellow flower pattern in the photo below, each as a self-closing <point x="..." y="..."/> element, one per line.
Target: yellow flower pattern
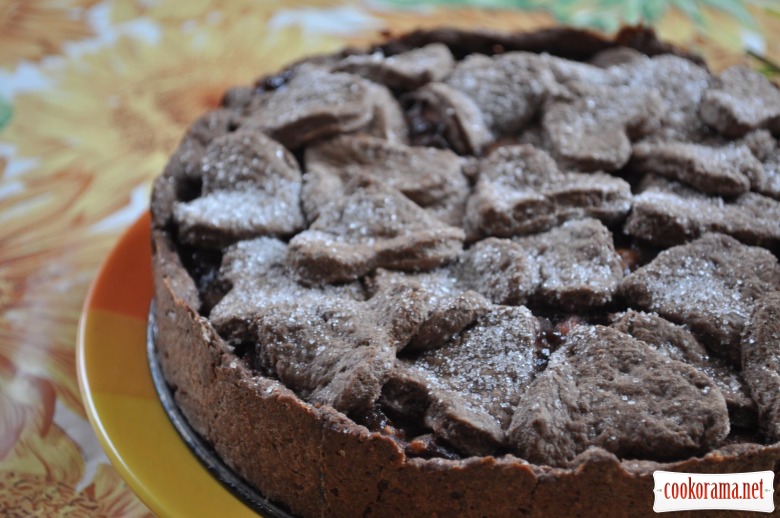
<point x="88" y="132"/>
<point x="32" y="29"/>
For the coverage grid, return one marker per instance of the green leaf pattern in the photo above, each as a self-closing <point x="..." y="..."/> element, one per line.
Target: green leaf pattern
<point x="609" y="15"/>
<point x="5" y="113"/>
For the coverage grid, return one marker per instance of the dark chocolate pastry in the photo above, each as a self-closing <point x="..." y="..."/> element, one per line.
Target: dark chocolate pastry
<point x="711" y="285"/>
<point x="724" y="171"/>
<point x="461" y="123"/>
<point x="521" y="191"/>
<point x="251" y="186"/>
<point x="432" y="178"/>
<point x="680" y="83"/>
<point x="573" y="267"/>
<point x="508" y="89"/>
<point x="606" y="389"/>
<point x="771" y="184"/>
<point x="450" y="307"/>
<point x="668" y="213"/>
<point x="678" y="343"/>
<point x="467" y="388"/>
<point x="313" y="104"/>
<point x="405" y="71"/>
<point x="372" y="226"/>
<point x="337" y="352"/>
<point x="591" y="131"/>
<point x="761" y="361"/>
<point x="257" y="279"/>
<point x="740" y="100"/>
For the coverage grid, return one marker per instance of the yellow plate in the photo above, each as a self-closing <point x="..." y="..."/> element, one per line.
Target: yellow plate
<point x="119" y="396"/>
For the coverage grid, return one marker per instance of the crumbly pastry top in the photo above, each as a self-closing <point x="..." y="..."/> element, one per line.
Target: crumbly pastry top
<point x="505" y="253"/>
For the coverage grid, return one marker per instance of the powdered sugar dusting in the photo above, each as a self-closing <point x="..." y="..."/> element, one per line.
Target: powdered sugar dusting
<point x="489" y="365"/>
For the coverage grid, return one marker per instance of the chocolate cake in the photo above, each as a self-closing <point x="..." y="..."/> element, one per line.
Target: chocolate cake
<point x="478" y="274"/>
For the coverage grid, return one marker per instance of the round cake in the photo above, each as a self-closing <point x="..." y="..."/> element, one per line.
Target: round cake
<point x="477" y="274"/>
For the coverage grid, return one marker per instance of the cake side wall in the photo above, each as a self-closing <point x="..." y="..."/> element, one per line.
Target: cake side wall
<point x="256" y="426"/>
<point x="603" y="486"/>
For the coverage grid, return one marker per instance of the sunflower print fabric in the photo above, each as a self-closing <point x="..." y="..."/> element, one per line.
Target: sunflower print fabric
<point x="94" y="96"/>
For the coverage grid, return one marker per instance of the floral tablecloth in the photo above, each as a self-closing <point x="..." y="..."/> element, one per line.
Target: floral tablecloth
<point x="94" y="95"/>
